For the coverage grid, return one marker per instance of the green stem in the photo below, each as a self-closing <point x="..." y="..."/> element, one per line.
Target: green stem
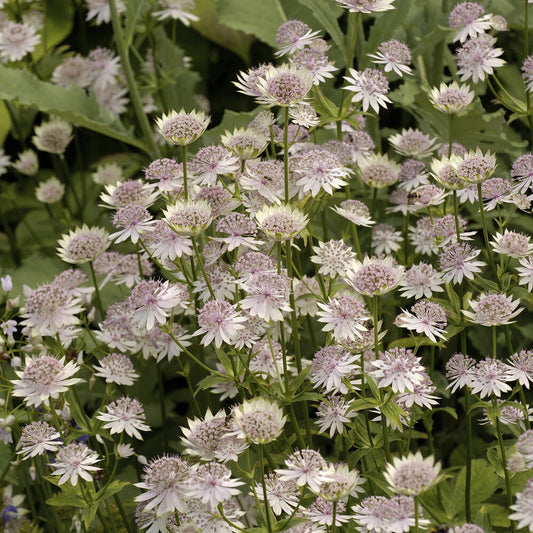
<point x="468" y="481"/>
<point x="130" y="80"/>
<point x="503" y="458"/>
<point x="97" y="291"/>
<point x="286" y="152"/>
<point x="334" y="517"/>
<point x="202" y="268"/>
<point x="417" y="513"/>
<point x="161" y="390"/>
<point x="494" y="343"/>
<point x="456" y="216"/>
<point x="486" y="234"/>
<point x="450" y="134"/>
<point x="123" y="514"/>
<point x="263" y="484"/>
<point x="184" y="162"/>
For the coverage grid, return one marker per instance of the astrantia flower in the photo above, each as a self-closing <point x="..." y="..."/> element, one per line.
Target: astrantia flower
<point x="495" y="191"/>
<point x="125" y="414"/>
<point x="425" y="317"/>
<point x="305" y="467"/>
<point x="319" y="169"/>
<point x="219" y="321"/>
<point x="378" y="171"/>
<point x="344" y="316"/>
<point x="153" y="300"/>
<point x="394" y="55"/>
<point x="177" y="10"/>
<point x="327" y="513"/>
<point x="259" y="420"/>
<point x="282" y="496"/>
<point x="189" y="217"/>
<point x="50" y="308"/>
<point x="476" y="167"/>
<point x="490" y="377"/>
<point x="527" y="73"/>
<point x="421" y="280"/>
<point x="398" y="368"/>
<point x="27" y="163"/>
<point x="332" y="414"/>
<point x="100" y="11"/>
<point x="283" y="86"/>
<point x="294" y="35"/>
<point x="241" y="231"/>
<point x="164" y="482"/>
<point x="331" y="366"/>
<point x="413" y="143"/>
<point x="469" y="20"/>
<point x="378" y="514"/>
<point x="73" y="461"/>
<point x="182" y="128"/>
<point x="212" y="484"/>
<point x="334" y="257"/>
<point x="267" y="295"/>
<point x="525" y="272"/>
<point x="512" y="244"/>
<point x="458" y="260"/>
<point x="83" y="244"/>
<point x="355" y="211"/>
<point x="52" y="136"/>
<point x="523" y="507"/>
<point x="493" y="309"/>
<point x="460" y="371"/>
<point x="16" y="40"/>
<point x="129" y="193"/>
<point x="44" y="377"/>
<point x="108" y="174"/>
<point x="211" y="162"/>
<point x="316" y="62"/>
<point x="265" y="177"/>
<point x="413" y="173"/>
<point x="116" y="368"/>
<point x="366" y="6"/>
<point x="132" y="222"/>
<point x="369" y="87"/>
<point x="412" y="475"/>
<point x="374" y="276"/>
<point x="38" y="438"/>
<point x="50" y="191"/>
<point x="73" y="71"/>
<point x="244" y="143"/>
<point x="247" y="82"/>
<point x="385" y="239"/>
<point x="281" y="222"/>
<point x="451" y="98"/>
<point x="522" y="172"/>
<point x="104" y="67"/>
<point x="478" y="57"/>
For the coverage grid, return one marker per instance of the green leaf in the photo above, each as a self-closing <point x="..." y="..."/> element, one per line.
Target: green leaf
<point x="88" y="515"/>
<point x="261" y="18"/>
<point x="58" y="22"/>
<point x="71" y="104"/>
<point x="69" y="496"/>
<point x="326" y="13"/>
<point x="230" y="120"/>
<point x="134" y="9"/>
<point x="5" y="122"/>
<point x="112" y="488"/>
<point x="483" y="485"/>
<point x="210" y="26"/>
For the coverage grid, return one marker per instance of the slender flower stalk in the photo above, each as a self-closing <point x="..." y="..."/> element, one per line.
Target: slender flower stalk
<point x="130" y="79"/>
<point x="486" y="234"/>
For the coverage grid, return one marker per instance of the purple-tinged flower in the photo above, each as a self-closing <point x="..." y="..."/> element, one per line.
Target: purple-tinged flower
<point x="478" y="57"/>
<point x="460" y="371"/>
<point x="294" y="35"/>
<point x="397" y="368"/>
<point x="412" y="475"/>
<point x="369" y="87"/>
<point x="116" y="368"/>
<point x="305" y="467"/>
<point x="129" y="193"/>
<point x="394" y="55"/>
<point x="469" y="20"/>
<point x="527" y="73"/>
<point x="100" y="11"/>
<point x="212" y="484"/>
<point x="325" y="513"/>
<point x="132" y="222"/>
<point x="43" y="378"/>
<point x="283" y="86"/>
<point x="425" y="317"/>
<point x="525" y="272"/>
<point x="523" y="507"/>
<point x="493" y="309"/>
<point x="281" y="222"/>
<point x="378" y="171"/>
<point x="421" y="280"/>
<point x="125" y="415"/>
<point x="211" y="162"/>
<point x="422" y="237"/>
<point x="259" y="420"/>
<point x="182" y="128"/>
<point x="83" y="244"/>
<point x="522" y="367"/>
<point x="495" y="191"/>
<point x="244" y="143"/>
<point x="53" y="136"/>
<point x="355" y="211"/>
<point x="16" y="40"/>
<point x="374" y="276"/>
<point x="366" y="6"/>
<point x="412" y="174"/>
<point x="386" y="239"/>
<point x="332" y="414"/>
<point x="490" y="377"/>
<point x="189" y="218"/>
<point x="452" y="98"/>
<point x="73" y="461"/>
<point x="522" y="172"/>
<point x="334" y="257"/>
<point x="458" y="260"/>
<point x="512" y="244"/>
<point x="316" y="62"/>
<point x="38" y="438"/>
<point x="413" y="143"/>
<point x="282" y="496"/>
<point x="331" y="366"/>
<point x="177" y="10"/>
<point x="219" y="321"/>
<point x="165" y="174"/>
